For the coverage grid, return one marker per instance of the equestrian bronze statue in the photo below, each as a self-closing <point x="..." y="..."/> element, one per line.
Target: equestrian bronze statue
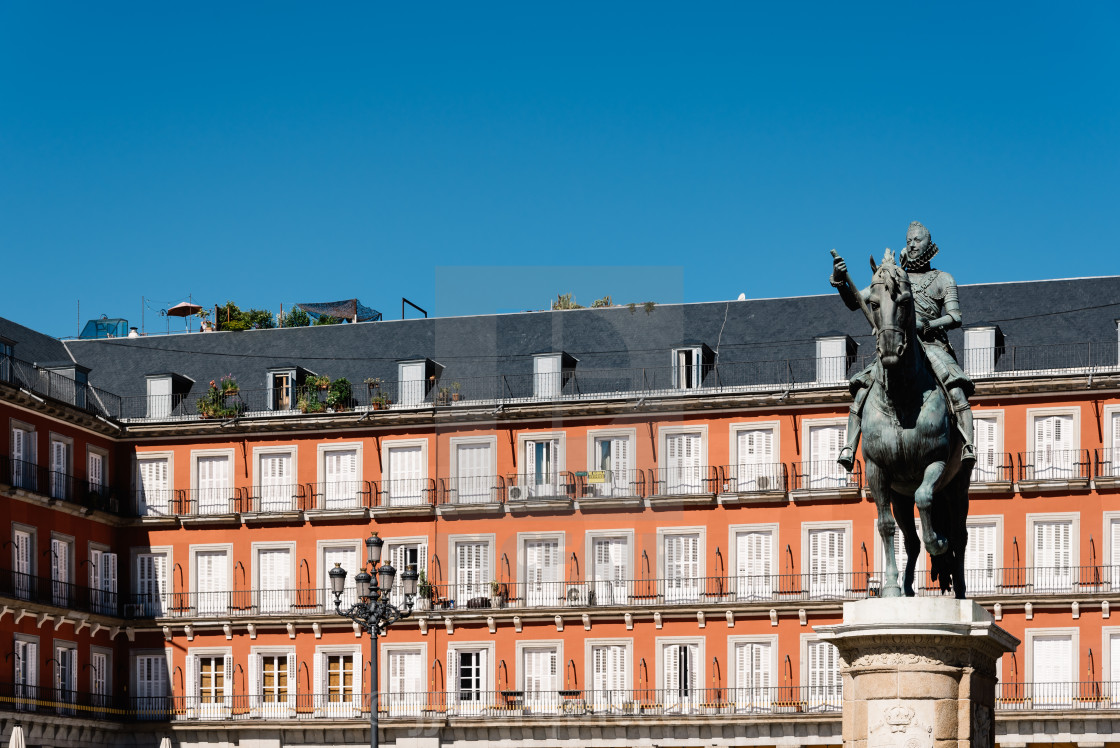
<point x="911" y="408"/>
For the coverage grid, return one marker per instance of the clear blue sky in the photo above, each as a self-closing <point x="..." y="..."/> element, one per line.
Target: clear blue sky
<point x="483" y="157"/>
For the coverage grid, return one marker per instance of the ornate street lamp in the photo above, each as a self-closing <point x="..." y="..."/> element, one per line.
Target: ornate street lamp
<point x="373" y="611"/>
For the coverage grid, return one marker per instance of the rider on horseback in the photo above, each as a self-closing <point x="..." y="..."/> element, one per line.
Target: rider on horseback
<point x="937" y="311"/>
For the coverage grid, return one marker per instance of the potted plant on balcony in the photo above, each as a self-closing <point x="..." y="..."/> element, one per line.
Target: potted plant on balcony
<point x="308" y="404"/>
<point x="373" y="384"/>
<point x="318" y="382"/>
<point x="495" y="594"/>
<point x="423" y="592"/>
<point x="380" y="401"/>
<point x="228" y="385"/>
<point x="340" y="394"/>
<point x="455" y="391"/>
<point x="213" y="403"/>
<point x="443" y="395"/>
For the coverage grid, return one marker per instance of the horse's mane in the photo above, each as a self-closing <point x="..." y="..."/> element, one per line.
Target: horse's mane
<point x="892" y="276"/>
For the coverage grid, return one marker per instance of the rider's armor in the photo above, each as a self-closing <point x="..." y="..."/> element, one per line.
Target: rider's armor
<point x="935" y="296"/>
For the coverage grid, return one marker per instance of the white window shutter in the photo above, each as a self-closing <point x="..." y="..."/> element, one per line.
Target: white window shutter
<point x="292" y="686"/>
<point x="95" y="569"/>
<point x="191" y="672"/>
<point x="109" y="573"/>
<point x="96" y="470"/>
<point x="254" y="676"/>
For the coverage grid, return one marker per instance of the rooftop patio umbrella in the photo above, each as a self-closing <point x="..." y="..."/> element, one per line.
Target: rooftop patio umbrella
<point x="17" y="740"/>
<point x="184" y="309"/>
<point x="165" y="743"/>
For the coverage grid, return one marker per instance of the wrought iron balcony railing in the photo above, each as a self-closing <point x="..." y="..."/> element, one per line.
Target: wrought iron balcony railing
<point x="51" y="592"/>
<point x="753" y="478"/>
<point x="1055" y="465"/>
<point x="826" y="476"/>
<point x="59" y="486"/>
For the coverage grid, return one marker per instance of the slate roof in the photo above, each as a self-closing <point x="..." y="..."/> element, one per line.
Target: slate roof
<point x="32" y="346"/>
<point x="1029" y="314"/>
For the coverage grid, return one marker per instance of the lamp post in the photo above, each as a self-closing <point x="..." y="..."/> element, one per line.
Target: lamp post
<point x="373" y="611"/>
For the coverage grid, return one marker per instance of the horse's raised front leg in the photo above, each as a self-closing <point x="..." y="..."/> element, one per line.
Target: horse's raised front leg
<point x="935" y="544"/>
<point x="881" y="490"/>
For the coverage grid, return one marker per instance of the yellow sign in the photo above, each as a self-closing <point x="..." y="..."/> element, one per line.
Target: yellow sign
<point x="597" y="476"/>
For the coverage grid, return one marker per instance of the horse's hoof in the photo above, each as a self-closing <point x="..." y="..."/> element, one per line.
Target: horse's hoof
<point x="937" y="547"/>
<point x="847" y="459"/>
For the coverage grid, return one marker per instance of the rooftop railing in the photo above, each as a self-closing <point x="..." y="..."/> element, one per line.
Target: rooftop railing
<point x="577" y="384"/>
<point x="59" y="387"/>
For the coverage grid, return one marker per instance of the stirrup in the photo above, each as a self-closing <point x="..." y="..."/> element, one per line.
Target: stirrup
<point x="847" y="459"/>
<point x="968" y="455"/>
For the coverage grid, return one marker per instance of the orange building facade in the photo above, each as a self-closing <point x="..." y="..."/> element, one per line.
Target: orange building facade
<point x="643" y="566"/>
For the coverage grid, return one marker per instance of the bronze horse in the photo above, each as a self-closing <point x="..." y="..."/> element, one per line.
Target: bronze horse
<point x="911" y="448"/>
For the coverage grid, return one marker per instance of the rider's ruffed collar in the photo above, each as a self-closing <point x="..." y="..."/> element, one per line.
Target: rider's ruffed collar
<point x="920" y="262"/>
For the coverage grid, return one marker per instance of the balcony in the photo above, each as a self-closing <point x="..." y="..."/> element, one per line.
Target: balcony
<point x="993" y="473"/>
<point x="275" y="503"/>
<point x="52" y="485"/>
<point x="339" y="500"/>
<point x="788" y="702"/>
<point x="472" y="495"/>
<point x="57" y="387"/>
<point x="765" y="483"/>
<point x="1106" y="468"/>
<point x="636" y="593"/>
<point x="1054" y="470"/>
<point x="44" y="591"/>
<point x="211" y="506"/>
<point x="404" y="497"/>
<point x="683" y="486"/>
<point x="610" y="489"/>
<point x="537" y="492"/>
<point x="826" y="481"/>
<point x="285" y="603"/>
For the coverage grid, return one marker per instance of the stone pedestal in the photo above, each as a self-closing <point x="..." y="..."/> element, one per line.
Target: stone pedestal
<point x="918" y="672"/>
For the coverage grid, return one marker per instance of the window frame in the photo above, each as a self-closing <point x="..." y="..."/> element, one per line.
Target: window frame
<point x="735" y="641"/>
<point x="697" y="365"/>
<point x="519" y="647"/>
<point x="323" y="448"/>
<point x="137" y="481"/>
<point x="1029" y="636"/>
<point x="1074" y="518"/>
<point x="660" y="643"/>
<point x="589" y="645"/>
<point x="527" y="437"/>
<point x="271" y="450"/>
<point x="1035" y="413"/>
<point x="491" y="541"/>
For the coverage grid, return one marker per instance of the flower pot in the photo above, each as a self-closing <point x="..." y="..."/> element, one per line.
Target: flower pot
<point x="495" y="601"/>
<point x="455" y="397"/>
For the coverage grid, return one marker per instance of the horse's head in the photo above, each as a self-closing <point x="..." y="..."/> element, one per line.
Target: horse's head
<point x="892" y="306"/>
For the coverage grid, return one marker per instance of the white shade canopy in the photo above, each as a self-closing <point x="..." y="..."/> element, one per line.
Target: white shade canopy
<point x="17" y="740"/>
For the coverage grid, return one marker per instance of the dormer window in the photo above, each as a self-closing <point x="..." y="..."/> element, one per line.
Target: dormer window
<point x="546" y="375"/>
<point x="159" y="396"/>
<point x="550" y="372"/>
<point x="687" y="365"/>
<point x="281" y="385"/>
<point x="834" y="354"/>
<point x="415" y="380"/>
<point x="690" y="365"/>
<point x="165" y="393"/>
<point x="6" y="352"/>
<point x="981" y="348"/>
